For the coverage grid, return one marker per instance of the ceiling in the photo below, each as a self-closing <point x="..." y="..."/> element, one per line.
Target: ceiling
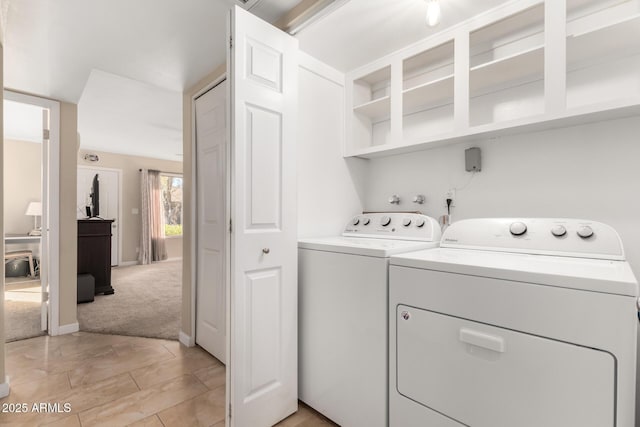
<point x="92" y="52"/>
<point x="126" y="63"/>
<point x="361" y="31"/>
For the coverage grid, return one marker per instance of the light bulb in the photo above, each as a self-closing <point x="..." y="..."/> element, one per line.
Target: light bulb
<point x="433" y="13"/>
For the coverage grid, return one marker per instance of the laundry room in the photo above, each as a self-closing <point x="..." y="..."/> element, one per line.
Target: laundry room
<point x="407" y="213"/>
<point x="516" y="131"/>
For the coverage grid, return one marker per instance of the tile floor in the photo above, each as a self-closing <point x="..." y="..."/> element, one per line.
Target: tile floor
<point x="111" y="380"/>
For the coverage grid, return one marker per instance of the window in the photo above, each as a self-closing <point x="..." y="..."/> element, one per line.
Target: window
<point x="171" y="187"/>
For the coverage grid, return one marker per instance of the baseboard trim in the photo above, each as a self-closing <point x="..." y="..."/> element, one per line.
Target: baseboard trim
<point x="4" y="388"/>
<point x="68" y="329"/>
<point x="186" y="339"/>
<point x="127" y="263"/>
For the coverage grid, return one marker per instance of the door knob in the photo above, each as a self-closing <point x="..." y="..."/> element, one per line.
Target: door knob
<point x="265" y="251"/>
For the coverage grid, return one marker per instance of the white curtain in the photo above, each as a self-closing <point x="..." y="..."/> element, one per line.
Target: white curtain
<point x="152" y="244"/>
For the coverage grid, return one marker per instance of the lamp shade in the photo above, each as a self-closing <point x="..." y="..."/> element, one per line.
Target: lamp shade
<point x="34" y="209"/>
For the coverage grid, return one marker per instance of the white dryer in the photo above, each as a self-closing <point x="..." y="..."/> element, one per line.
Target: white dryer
<point x="343" y="314"/>
<point x="514" y="322"/>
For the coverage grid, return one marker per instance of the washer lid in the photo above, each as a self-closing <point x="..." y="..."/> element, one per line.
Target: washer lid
<point x="381" y="248"/>
<point x="607" y="276"/>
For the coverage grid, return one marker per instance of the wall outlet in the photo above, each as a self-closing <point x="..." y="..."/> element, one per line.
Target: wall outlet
<point x="137" y="250"/>
<point x="450" y="194"/>
<point x="135" y="211"/>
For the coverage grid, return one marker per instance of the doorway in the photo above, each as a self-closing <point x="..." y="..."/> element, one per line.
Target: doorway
<point x="110" y="201"/>
<point x="31" y="201"/>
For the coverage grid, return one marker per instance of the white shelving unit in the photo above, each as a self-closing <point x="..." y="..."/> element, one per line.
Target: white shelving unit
<point x="428" y="93"/>
<point x="603" y="51"/>
<point x="517" y="68"/>
<point x="372" y="107"/>
<point x="506" y="75"/>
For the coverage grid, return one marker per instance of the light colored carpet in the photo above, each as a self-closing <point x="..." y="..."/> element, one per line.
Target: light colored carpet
<point x="22" y="320"/>
<point x="22" y="308"/>
<point x="146" y="303"/>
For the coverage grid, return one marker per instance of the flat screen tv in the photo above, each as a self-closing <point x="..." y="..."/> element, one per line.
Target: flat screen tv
<point x="95" y="197"/>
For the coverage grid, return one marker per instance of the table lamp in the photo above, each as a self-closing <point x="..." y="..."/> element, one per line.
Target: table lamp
<point x="35" y="210"/>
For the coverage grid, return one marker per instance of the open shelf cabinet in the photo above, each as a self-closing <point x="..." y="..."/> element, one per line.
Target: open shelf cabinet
<point x="506" y="75"/>
<point x="428" y="92"/>
<point x="603" y="51"/>
<point x="372" y="108"/>
<point x="521" y="67"/>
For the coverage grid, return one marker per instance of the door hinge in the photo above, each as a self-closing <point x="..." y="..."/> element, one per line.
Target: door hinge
<point x="230" y="42"/>
<point x="230" y="227"/>
<point x="45" y="134"/>
<point x="45" y="296"/>
<point x="229" y="410"/>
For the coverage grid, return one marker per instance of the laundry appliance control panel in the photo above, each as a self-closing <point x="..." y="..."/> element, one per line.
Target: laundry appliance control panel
<point x="394" y="225"/>
<point x="543" y="236"/>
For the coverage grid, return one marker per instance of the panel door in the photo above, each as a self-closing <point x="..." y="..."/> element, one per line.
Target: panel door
<point x="262" y="377"/>
<point x="211" y="149"/>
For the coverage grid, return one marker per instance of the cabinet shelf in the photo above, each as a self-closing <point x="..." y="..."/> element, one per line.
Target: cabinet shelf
<point x="376" y="110"/>
<point x="621" y="37"/>
<point x="428" y="94"/>
<point x="572" y="117"/>
<point x="507" y="69"/>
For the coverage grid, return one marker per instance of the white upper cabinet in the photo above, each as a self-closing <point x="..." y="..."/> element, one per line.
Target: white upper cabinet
<point x="524" y="66"/>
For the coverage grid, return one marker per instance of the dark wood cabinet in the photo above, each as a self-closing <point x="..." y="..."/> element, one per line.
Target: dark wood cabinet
<point x="94" y="252"/>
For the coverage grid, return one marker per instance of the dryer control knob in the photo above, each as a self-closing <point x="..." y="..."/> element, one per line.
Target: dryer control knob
<point x="406" y="222"/>
<point x="518" y="228"/>
<point x="355" y="221"/>
<point x="384" y="221"/>
<point x="365" y="221"/>
<point x="558" y="230"/>
<point x="420" y="222"/>
<point x="585" y="231"/>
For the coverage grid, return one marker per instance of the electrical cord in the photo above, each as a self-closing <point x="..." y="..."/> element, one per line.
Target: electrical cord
<point x="473" y="174"/>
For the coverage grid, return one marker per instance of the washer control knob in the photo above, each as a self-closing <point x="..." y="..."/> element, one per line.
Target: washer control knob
<point x="518" y="228"/>
<point x="558" y="230"/>
<point x="365" y="221"/>
<point x="420" y="222"/>
<point x="385" y="220"/>
<point x="406" y="222"/>
<point x="585" y="231"/>
<point x="355" y="221"/>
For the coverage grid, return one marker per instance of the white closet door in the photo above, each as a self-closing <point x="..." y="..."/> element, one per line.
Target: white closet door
<point x="263" y="370"/>
<point x="211" y="146"/>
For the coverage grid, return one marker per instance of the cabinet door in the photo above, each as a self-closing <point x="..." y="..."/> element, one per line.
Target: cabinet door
<point x="262" y="374"/>
<point x="484" y="376"/>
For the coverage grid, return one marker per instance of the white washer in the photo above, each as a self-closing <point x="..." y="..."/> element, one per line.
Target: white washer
<point x="343" y="314"/>
<point x="514" y="322"/>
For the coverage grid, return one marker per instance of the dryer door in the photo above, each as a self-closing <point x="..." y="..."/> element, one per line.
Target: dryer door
<point x="484" y="376"/>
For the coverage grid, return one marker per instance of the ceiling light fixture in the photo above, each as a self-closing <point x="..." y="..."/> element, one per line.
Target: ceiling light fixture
<point x="433" y="13"/>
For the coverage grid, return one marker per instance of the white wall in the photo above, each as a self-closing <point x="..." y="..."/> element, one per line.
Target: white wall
<point x="329" y="188"/>
<point x="22" y="184"/>
<point x="589" y="171"/>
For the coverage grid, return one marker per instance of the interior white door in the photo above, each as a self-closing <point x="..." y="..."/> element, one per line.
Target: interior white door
<point x="211" y="170"/>
<point x="109" y="200"/>
<point x="263" y="369"/>
<point x="44" y="224"/>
